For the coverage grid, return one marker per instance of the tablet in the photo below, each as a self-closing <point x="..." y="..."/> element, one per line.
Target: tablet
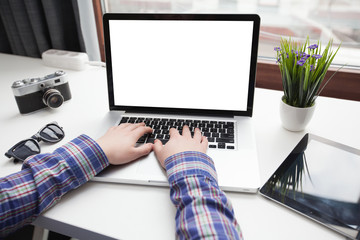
<point x="320" y="179"/>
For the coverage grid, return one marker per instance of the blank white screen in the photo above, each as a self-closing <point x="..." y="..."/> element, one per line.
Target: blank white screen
<point x="181" y="64"/>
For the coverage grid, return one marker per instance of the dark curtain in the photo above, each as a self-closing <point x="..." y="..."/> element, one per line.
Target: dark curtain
<point x="30" y="27"/>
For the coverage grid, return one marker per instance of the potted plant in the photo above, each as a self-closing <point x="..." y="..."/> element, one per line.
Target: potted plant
<point x="303" y="68"/>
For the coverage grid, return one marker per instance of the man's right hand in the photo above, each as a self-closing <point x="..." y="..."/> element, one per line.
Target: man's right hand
<point x="180" y="143"/>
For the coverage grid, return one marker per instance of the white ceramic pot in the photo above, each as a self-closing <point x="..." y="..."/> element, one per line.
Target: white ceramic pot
<point x="293" y="118"/>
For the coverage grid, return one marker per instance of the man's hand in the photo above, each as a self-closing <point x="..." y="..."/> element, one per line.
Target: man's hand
<point x="178" y="143"/>
<point x="118" y="143"/>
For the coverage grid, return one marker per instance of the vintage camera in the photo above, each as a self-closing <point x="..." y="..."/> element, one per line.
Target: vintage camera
<point x="37" y="93"/>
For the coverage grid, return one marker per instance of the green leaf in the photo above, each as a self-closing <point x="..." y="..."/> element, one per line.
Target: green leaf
<point x="301" y="86"/>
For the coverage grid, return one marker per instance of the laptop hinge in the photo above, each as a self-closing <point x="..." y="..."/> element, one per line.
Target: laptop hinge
<point x="192" y="113"/>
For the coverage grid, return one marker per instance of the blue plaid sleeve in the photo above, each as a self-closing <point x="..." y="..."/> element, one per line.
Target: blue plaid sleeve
<point x="203" y="210"/>
<point x="44" y="178"/>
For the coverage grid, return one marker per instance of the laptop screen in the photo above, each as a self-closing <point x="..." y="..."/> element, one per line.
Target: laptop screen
<point x="171" y="62"/>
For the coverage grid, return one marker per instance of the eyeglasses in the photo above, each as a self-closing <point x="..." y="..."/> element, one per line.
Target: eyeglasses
<point x="51" y="133"/>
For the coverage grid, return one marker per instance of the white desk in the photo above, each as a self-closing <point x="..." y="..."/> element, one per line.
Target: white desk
<point x="100" y="210"/>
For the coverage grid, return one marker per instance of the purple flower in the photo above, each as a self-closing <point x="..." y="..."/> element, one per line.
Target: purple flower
<point x="277" y="49"/>
<point x="296" y="52"/>
<point x="314" y="46"/>
<point x="311" y="67"/>
<point x="278" y="60"/>
<point x="301" y="62"/>
<point x="305" y="55"/>
<point x="317" y="56"/>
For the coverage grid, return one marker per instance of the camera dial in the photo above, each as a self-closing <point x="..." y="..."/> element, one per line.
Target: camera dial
<point x="18" y="84"/>
<point x="59" y="73"/>
<point x="34" y="80"/>
<point x="53" y="98"/>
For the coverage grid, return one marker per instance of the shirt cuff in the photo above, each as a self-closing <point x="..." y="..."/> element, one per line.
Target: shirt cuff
<point x="189" y="163"/>
<point x="85" y="157"/>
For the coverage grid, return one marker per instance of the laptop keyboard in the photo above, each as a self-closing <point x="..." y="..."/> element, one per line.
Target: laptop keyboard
<point x="220" y="134"/>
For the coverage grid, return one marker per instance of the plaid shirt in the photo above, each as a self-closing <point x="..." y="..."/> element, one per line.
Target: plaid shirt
<point x="202" y="209"/>
<point x="44" y="178"/>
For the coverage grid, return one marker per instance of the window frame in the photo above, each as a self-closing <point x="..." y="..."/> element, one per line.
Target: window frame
<point x="344" y="85"/>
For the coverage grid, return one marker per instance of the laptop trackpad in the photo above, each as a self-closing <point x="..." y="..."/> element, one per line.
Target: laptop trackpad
<point x="151" y="167"/>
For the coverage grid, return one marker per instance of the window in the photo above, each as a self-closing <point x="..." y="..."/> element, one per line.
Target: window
<point x="318" y="19"/>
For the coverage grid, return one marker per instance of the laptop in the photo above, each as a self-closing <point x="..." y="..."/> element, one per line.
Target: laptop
<point x="171" y="70"/>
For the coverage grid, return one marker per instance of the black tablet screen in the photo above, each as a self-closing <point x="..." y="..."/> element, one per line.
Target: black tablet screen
<point x="321" y="180"/>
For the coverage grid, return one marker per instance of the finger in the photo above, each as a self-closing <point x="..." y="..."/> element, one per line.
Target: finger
<point x="197" y="135"/>
<point x="186" y="132"/>
<point x="173" y="133"/>
<point x="157" y="147"/>
<point x="204" y="143"/>
<point x="141" y="130"/>
<point x="136" y="125"/>
<point x="143" y="150"/>
<point x="123" y="125"/>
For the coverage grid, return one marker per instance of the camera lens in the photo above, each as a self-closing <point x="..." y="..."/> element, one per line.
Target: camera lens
<point x="53" y="98"/>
